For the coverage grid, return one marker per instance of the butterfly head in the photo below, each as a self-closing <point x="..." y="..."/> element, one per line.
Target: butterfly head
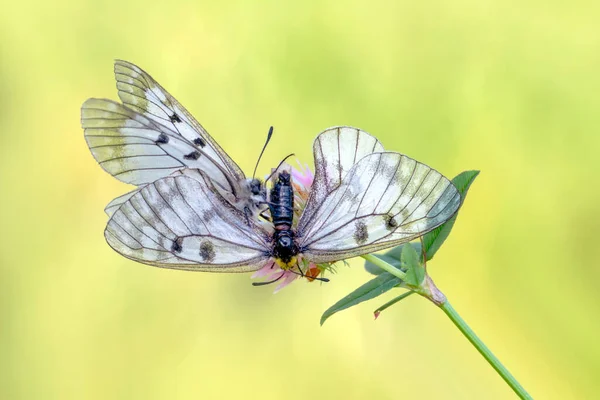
<point x="256" y="191"/>
<point x="256" y="187"/>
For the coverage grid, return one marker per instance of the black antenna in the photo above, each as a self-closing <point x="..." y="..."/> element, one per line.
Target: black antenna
<point x="263" y="150"/>
<point x="268" y="282"/>
<point x="279" y="166"/>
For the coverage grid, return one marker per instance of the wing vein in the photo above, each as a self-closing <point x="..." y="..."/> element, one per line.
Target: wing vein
<point x="390" y="183"/>
<point x="174" y="211"/>
<point x="151" y="208"/>
<point x="366" y="191"/>
<point x="190" y="206"/>
<point x="140" y="231"/>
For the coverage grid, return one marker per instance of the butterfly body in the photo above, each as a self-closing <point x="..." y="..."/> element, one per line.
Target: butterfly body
<point x="281" y="205"/>
<point x="251" y="196"/>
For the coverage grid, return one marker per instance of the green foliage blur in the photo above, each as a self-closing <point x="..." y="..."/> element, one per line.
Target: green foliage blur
<point x="509" y="88"/>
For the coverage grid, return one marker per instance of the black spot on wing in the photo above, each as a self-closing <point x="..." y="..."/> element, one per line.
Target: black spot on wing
<point x="194" y="155"/>
<point x="390" y="223"/>
<point x="162" y="139"/>
<point x="361" y="233"/>
<point x="199" y="142"/>
<point x="176" y="247"/>
<point x="207" y="251"/>
<point x="175" y="118"/>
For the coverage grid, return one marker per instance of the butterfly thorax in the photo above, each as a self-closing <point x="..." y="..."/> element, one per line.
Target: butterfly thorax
<point x="281" y="205"/>
<point x="252" y="196"/>
<point x="256" y="188"/>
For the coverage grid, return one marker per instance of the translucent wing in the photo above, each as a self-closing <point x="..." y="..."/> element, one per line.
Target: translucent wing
<point x="137" y="150"/>
<point x="117" y="202"/>
<point x="336" y="150"/>
<point x="183" y="223"/>
<point x="384" y="200"/>
<point x="140" y="92"/>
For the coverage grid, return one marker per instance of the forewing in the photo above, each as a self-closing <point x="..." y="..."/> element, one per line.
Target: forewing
<point x="137" y="150"/>
<point x="183" y="223"/>
<point x="385" y="200"/>
<point x="336" y="150"/>
<point x="139" y="91"/>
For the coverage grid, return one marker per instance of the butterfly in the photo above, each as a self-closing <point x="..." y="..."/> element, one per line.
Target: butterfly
<point x="151" y="136"/>
<point x="363" y="199"/>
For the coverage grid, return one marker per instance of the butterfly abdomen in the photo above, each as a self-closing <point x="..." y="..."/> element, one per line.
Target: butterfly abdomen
<point x="281" y="204"/>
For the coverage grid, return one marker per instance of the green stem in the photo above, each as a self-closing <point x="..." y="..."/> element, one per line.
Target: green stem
<point x="385" y="266"/>
<point x="484" y="351"/>
<point x="430" y="291"/>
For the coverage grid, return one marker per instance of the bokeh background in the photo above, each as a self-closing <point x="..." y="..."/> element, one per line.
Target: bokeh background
<point x="507" y="87"/>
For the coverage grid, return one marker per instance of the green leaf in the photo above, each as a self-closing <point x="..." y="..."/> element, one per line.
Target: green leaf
<point x="415" y="273"/>
<point x="433" y="240"/>
<point x="391" y="257"/>
<point x="369" y="290"/>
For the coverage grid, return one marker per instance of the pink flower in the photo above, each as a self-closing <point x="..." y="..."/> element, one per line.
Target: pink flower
<point x="303" y="176"/>
<point x="271" y="271"/>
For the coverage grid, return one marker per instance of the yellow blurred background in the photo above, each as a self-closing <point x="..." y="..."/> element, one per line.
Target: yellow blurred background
<point x="510" y="88"/>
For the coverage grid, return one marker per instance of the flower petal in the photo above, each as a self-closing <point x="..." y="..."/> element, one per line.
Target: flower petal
<point x="264" y="271"/>
<point x="288" y="278"/>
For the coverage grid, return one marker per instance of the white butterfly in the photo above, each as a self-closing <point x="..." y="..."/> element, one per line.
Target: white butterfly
<point x="151" y="136"/>
<point x="363" y="199"/>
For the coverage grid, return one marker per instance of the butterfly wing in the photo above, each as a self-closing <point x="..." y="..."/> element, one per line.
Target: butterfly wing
<point x="117" y="202"/>
<point x="180" y="222"/>
<point x="140" y="92"/>
<point x="384" y="200"/>
<point x="336" y="150"/>
<point x="137" y="150"/>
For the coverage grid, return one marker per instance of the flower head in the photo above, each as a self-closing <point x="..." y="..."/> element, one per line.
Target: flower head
<point x="271" y="272"/>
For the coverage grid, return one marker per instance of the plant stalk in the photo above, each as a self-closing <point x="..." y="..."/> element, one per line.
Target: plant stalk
<point x="484" y="351"/>
<point x="385" y="266"/>
<point x="430" y="291"/>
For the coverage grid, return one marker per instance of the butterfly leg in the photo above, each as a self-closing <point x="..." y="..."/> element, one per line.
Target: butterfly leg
<point x="300" y="269"/>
